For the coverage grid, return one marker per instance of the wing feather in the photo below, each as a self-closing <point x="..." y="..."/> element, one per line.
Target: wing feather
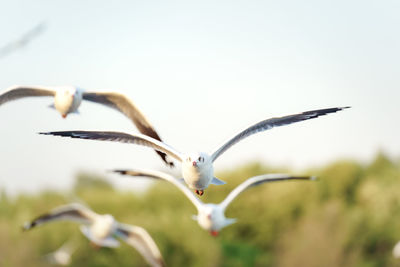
<point x="140" y="239"/>
<point x="138" y="139"/>
<point x="71" y="212"/>
<point x="122" y="104"/>
<point x="271" y="123"/>
<point x="257" y="180"/>
<point x="17" y="92"/>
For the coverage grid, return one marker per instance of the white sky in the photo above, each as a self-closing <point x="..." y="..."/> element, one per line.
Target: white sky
<point x="201" y="71"/>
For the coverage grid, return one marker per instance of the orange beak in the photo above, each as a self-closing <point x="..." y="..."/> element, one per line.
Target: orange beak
<point x="64" y="115"/>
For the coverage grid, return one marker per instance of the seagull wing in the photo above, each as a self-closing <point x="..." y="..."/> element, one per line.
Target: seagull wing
<point x="140" y="239"/>
<point x="122" y="104"/>
<point x="71" y="212"/>
<point x="257" y="180"/>
<point x="17" y="92"/>
<point x="163" y="176"/>
<point x="271" y="123"/>
<point x="138" y="139"/>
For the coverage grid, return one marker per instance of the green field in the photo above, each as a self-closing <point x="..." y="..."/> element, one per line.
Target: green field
<point x="350" y="217"/>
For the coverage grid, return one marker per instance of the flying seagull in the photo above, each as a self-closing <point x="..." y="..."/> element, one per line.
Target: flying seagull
<point x="197" y="168"/>
<point x="67" y="99"/>
<point x="211" y="217"/>
<point x="23" y="41"/>
<point x="396" y="250"/>
<point x="62" y="256"/>
<point x="101" y="229"/>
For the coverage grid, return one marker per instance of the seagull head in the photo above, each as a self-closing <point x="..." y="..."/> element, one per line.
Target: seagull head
<point x="197" y="159"/>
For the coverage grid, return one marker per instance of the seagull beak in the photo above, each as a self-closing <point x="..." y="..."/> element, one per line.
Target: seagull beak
<point x="64" y="115"/>
<point x="194" y="163"/>
<point x="214" y="233"/>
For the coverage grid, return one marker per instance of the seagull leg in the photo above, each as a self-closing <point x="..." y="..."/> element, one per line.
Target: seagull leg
<point x="214" y="233"/>
<point x="199" y="192"/>
<point x="95" y="246"/>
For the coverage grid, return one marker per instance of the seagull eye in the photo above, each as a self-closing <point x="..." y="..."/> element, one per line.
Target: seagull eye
<point x="201" y="159"/>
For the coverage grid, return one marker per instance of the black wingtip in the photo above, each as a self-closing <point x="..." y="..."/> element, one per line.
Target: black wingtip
<point x="165" y="159"/>
<point x="123" y="172"/>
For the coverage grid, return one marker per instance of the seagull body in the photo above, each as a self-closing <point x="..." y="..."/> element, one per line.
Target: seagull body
<point x="197" y="168"/>
<point x="102" y="229"/>
<point x="67" y="100"/>
<point x="210" y="216"/>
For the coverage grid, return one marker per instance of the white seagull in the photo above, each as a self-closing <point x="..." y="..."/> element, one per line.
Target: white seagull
<point x="101" y="229"/>
<point x="67" y="99"/>
<point x="396" y="250"/>
<point x="211" y="217"/>
<point x="197" y="168"/>
<point x="62" y="256"/>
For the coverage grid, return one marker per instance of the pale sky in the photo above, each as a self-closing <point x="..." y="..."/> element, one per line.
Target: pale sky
<point x="201" y="71"/>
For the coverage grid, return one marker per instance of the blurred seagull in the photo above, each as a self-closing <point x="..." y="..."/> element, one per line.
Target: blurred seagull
<point x="23" y="41"/>
<point x="197" y="168"/>
<point x="396" y="250"/>
<point x="211" y="217"/>
<point x="67" y="99"/>
<point x="101" y="229"/>
<point x="61" y="256"/>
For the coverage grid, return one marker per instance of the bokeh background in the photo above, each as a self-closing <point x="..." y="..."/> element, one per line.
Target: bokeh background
<point x="202" y="71"/>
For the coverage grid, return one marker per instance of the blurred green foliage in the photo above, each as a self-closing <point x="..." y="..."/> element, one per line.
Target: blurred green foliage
<point x="350" y="217"/>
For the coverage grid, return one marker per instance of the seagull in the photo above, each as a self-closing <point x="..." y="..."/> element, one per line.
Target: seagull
<point x="211" y="217"/>
<point x="61" y="256"/>
<point x="23" y="41"/>
<point x="197" y="168"/>
<point x="396" y="250"/>
<point x="67" y="99"/>
<point x="101" y="229"/>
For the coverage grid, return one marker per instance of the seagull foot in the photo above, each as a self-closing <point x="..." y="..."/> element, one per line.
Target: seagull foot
<point x="214" y="233"/>
<point x="95" y="246"/>
<point x="199" y="192"/>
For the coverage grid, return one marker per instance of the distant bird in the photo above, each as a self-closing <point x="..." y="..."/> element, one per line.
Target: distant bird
<point x="61" y="256"/>
<point x="67" y="99"/>
<point x="101" y="229"/>
<point x="197" y="168"/>
<point x="23" y="41"/>
<point x="396" y="250"/>
<point x="211" y="217"/>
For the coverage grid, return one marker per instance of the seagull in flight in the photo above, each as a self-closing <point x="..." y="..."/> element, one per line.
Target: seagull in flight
<point x="101" y="229"/>
<point x="62" y="256"/>
<point x="67" y="99"/>
<point x="197" y="167"/>
<point x="211" y="217"/>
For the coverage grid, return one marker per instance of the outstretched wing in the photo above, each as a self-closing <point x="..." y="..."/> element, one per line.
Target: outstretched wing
<point x="257" y="180"/>
<point x="17" y="92"/>
<point x="166" y="177"/>
<point x="140" y="239"/>
<point x="71" y="212"/>
<point x="271" y="123"/>
<point x="122" y="104"/>
<point x="138" y="139"/>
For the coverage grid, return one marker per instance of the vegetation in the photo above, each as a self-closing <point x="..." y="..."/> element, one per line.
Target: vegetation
<point x="350" y="217"/>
